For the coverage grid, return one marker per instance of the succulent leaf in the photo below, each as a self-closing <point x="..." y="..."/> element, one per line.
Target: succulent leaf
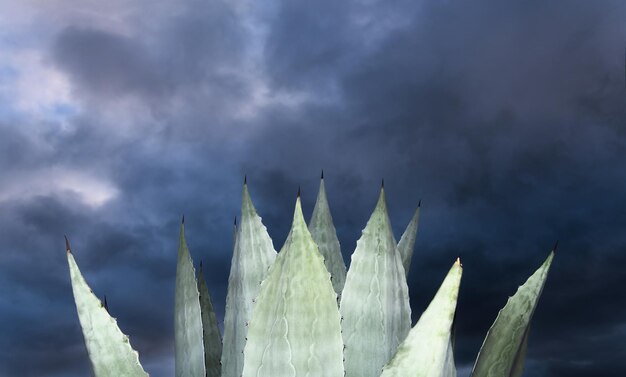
<point x="325" y="236"/>
<point x="503" y="349"/>
<point x="427" y="350"/>
<point x="189" y="348"/>
<point x="253" y="254"/>
<point x="109" y="349"/>
<point x="407" y="241"/>
<point x="449" y="369"/>
<point x="210" y="331"/>
<point x="375" y="302"/>
<point x="295" y="328"/>
<point x="518" y="364"/>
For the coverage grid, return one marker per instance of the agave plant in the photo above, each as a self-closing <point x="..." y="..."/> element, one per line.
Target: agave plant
<point x="298" y="313"/>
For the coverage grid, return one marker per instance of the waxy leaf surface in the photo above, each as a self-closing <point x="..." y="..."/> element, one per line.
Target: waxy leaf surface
<point x="210" y="330"/>
<point x="295" y="329"/>
<point x="325" y="236"/>
<point x="189" y="345"/>
<point x="109" y="350"/>
<point x="406" y="245"/>
<point x="376" y="315"/>
<point x="427" y="350"/>
<point x="253" y="254"/>
<point x="501" y="354"/>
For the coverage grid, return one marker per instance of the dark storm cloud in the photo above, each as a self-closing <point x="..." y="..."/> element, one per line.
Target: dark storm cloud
<point x="505" y="118"/>
<point x="107" y="63"/>
<point x="191" y="49"/>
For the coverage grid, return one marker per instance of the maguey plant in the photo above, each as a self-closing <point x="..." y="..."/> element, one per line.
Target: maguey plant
<point x="298" y="313"/>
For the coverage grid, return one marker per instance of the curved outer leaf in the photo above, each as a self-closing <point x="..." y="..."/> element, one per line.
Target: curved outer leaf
<point x="407" y="241"/>
<point x="109" y="350"/>
<point x="499" y="354"/>
<point x="325" y="236"/>
<point x="253" y="254"/>
<point x="189" y="348"/>
<point x="375" y="301"/>
<point x="295" y="328"/>
<point x="427" y="350"/>
<point x="210" y="331"/>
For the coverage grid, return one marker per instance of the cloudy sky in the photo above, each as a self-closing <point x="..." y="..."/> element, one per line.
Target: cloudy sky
<point x="506" y="118"/>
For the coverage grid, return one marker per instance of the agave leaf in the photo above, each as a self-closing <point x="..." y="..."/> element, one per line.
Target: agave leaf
<point x="295" y="329"/>
<point x="109" y="349"/>
<point x="253" y="254"/>
<point x="427" y="350"/>
<point x="449" y="369"/>
<point x="210" y="331"/>
<point x="501" y="354"/>
<point x="518" y="364"/>
<point x="325" y="236"/>
<point x="189" y="348"/>
<point x="375" y="301"/>
<point x="407" y="241"/>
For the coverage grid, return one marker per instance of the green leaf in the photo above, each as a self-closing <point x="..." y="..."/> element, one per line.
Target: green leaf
<point x="210" y="331"/>
<point x="518" y="364"/>
<point x="253" y="254"/>
<point x="449" y="369"/>
<point x="427" y="350"/>
<point x="407" y="241"/>
<point x="325" y="236"/>
<point x="375" y="301"/>
<point x="295" y="329"/>
<point x="189" y="348"/>
<point x="502" y="352"/>
<point x="109" y="349"/>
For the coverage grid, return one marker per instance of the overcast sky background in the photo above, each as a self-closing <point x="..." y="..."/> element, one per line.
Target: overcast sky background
<point x="507" y="118"/>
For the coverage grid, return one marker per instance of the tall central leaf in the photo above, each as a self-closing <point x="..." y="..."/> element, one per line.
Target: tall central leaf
<point x="295" y="329"/>
<point x="253" y="254"/>
<point x="375" y="300"/>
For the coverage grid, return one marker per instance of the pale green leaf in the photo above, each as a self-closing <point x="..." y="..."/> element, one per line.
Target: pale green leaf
<point x="253" y="254"/>
<point x="449" y="369"/>
<point x="210" y="331"/>
<point x="325" y="236"/>
<point x="189" y="347"/>
<point x="295" y="329"/>
<point x="500" y="353"/>
<point x="427" y="350"/>
<point x="109" y="349"/>
<point x="375" y="301"/>
<point x="518" y="364"/>
<point x="407" y="241"/>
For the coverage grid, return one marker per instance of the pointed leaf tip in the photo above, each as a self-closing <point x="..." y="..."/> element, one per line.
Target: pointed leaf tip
<point x="556" y="244"/>
<point x="67" y="245"/>
<point x="182" y="221"/>
<point x="322" y="176"/>
<point x="419" y="203"/>
<point x="245" y="179"/>
<point x="382" y="183"/>
<point x="297" y="196"/>
<point x="458" y="261"/>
